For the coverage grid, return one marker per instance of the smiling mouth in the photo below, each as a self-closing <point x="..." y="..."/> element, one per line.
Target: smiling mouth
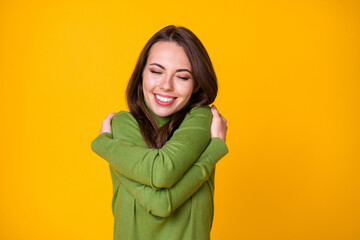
<point x="165" y="99"/>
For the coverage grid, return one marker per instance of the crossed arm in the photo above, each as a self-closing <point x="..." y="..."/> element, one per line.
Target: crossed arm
<point x="164" y="201"/>
<point x="183" y="173"/>
<point x="158" y="168"/>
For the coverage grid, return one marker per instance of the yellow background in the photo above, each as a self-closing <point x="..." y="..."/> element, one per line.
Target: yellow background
<point x="288" y="74"/>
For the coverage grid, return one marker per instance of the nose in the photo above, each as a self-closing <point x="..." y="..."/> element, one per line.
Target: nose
<point x="167" y="83"/>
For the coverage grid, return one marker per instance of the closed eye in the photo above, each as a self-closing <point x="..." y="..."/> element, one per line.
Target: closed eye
<point x="184" y="78"/>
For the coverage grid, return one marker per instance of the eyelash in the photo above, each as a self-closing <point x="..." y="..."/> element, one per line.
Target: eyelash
<point x="159" y="73"/>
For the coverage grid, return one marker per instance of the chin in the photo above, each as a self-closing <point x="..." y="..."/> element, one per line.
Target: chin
<point x="163" y="114"/>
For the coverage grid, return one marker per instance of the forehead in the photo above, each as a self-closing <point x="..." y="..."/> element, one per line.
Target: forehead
<point x="168" y="54"/>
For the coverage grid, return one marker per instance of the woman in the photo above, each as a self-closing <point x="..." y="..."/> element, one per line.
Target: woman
<point x="162" y="154"/>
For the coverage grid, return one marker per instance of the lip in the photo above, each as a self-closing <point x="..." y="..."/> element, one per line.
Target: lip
<point x="164" y="103"/>
<point x="163" y="95"/>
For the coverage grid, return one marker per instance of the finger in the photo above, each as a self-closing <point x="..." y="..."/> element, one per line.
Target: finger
<point x="220" y="115"/>
<point x="214" y="111"/>
<point x="223" y="119"/>
<point x="111" y="115"/>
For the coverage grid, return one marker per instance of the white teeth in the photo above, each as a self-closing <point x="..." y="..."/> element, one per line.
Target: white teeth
<point x="164" y="99"/>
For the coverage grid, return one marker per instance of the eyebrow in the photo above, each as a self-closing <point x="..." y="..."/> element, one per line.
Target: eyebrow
<point x="178" y="70"/>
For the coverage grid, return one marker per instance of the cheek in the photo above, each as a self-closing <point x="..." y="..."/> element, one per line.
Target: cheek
<point x="187" y="89"/>
<point x="146" y="83"/>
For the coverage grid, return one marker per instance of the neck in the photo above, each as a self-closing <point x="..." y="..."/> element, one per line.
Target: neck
<point x="160" y="120"/>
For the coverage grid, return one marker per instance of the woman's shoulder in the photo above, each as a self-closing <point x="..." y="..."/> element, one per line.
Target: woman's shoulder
<point x="122" y="114"/>
<point x="198" y="114"/>
<point x="197" y="117"/>
<point x="124" y="117"/>
<point x="125" y="126"/>
<point x="201" y="110"/>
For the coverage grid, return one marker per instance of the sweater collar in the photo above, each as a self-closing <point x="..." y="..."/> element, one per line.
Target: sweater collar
<point x="160" y="120"/>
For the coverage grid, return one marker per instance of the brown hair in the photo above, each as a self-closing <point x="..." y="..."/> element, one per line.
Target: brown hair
<point x="204" y="79"/>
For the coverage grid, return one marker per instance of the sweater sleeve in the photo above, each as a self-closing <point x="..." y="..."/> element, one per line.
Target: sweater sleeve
<point x="164" y="201"/>
<point x="159" y="168"/>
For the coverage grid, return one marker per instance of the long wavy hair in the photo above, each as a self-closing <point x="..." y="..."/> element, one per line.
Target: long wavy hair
<point x="204" y="79"/>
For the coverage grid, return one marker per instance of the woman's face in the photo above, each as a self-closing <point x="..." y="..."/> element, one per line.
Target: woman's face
<point x="167" y="79"/>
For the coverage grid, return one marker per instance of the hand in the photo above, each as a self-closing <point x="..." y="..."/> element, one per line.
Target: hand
<point x="106" y="123"/>
<point x="218" y="125"/>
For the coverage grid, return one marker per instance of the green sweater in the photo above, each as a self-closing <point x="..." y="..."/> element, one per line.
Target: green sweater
<point x="162" y="193"/>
